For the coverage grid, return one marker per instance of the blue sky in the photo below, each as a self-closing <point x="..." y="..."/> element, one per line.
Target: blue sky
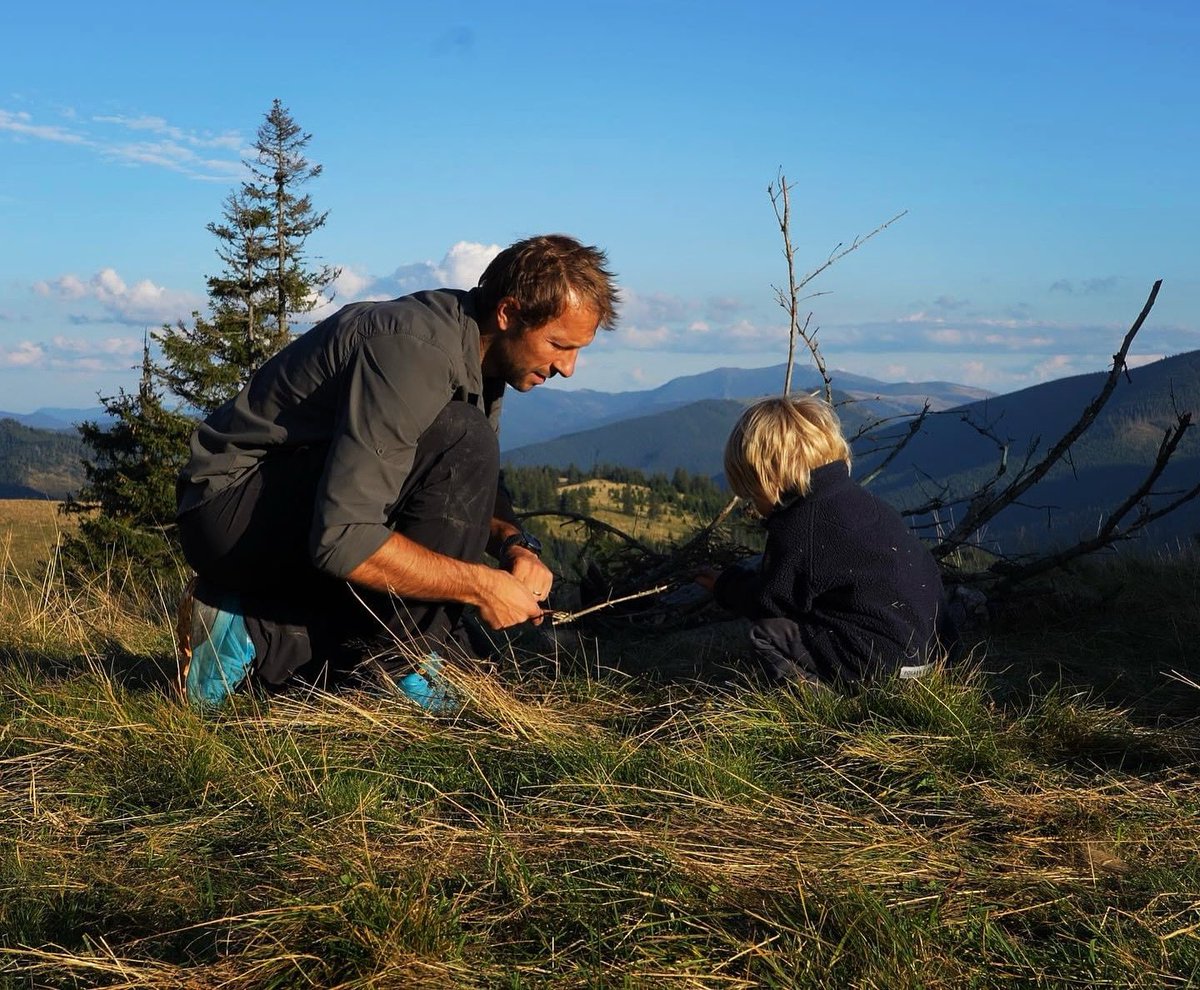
<point x="1047" y="154"/>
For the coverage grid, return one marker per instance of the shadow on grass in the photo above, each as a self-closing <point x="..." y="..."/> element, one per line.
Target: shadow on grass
<point x="1128" y="637"/>
<point x="133" y="671"/>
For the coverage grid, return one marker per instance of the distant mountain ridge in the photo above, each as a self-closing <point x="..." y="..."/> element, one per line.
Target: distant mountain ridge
<point x="56" y="417"/>
<point x="690" y="436"/>
<point x="1105" y="465"/>
<point x="546" y="413"/>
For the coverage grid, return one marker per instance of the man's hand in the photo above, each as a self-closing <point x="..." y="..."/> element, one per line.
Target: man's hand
<point x="527" y="568"/>
<point x="508" y="602"/>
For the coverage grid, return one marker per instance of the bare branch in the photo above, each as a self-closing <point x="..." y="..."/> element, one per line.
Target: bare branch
<point x="789" y="299"/>
<point x="781" y="203"/>
<point x="1111" y="530"/>
<point x="590" y="522"/>
<point x="561" y="618"/>
<point x="837" y="255"/>
<point x="985" y="508"/>
<point x="914" y="428"/>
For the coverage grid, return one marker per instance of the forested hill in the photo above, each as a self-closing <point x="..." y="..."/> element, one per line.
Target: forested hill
<point x="38" y="463"/>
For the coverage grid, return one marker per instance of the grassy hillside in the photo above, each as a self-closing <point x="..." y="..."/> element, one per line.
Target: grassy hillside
<point x="29" y="528"/>
<point x="613" y="815"/>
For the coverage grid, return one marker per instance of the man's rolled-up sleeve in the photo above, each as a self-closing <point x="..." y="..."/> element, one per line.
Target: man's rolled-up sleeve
<point x="393" y="389"/>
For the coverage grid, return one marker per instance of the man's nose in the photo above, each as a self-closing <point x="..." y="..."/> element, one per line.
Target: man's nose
<point x="565" y="366"/>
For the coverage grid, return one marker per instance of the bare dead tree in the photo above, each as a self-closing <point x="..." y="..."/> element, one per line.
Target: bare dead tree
<point x="986" y="505"/>
<point x="1112" y="530"/>
<point x="790" y="299"/>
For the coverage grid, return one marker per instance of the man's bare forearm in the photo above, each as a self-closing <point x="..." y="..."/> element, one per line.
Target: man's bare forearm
<point x="408" y="570"/>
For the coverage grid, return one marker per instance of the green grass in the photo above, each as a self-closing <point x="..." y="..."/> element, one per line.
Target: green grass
<point x="1006" y="823"/>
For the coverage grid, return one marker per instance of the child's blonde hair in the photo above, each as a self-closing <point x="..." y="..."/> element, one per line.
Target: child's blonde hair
<point x="778" y="443"/>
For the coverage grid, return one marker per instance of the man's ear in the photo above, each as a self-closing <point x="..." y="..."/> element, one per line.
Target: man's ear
<point x="508" y="314"/>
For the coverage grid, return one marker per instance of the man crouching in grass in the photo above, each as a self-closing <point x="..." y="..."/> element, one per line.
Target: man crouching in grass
<point x="845" y="592"/>
<point x="342" y="502"/>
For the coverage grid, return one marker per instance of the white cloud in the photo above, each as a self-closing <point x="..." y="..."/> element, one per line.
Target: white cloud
<point x="139" y="304"/>
<point x="465" y="262"/>
<point x="1057" y="366"/>
<point x="26" y="354"/>
<point x="459" y="268"/>
<point x="177" y="149"/>
<point x="74" y="354"/>
<point x="229" y="140"/>
<point x="1139" y="360"/>
<point x="122" y="346"/>
<point x="21" y="123"/>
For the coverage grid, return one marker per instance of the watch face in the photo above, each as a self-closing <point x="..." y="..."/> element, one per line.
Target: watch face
<point x="532" y="542"/>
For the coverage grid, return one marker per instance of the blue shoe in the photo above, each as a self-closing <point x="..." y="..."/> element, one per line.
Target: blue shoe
<point x="221" y="652"/>
<point x="428" y="687"/>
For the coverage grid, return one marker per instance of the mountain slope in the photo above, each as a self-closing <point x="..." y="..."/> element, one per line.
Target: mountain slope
<point x="690" y="436"/>
<point x="1105" y="465"/>
<point x="38" y="463"/>
<point x="546" y="413"/>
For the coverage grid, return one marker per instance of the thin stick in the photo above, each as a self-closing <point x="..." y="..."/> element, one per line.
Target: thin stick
<point x="558" y="618"/>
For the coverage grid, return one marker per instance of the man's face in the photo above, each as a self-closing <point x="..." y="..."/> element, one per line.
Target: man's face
<point x="528" y="356"/>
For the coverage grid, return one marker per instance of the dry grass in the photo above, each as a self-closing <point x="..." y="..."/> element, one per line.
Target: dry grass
<point x="29" y="528"/>
<point x="585" y="829"/>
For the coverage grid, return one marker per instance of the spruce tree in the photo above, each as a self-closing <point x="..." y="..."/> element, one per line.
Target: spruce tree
<point x="128" y="498"/>
<point x="129" y="494"/>
<point x="279" y="168"/>
<point x="266" y="280"/>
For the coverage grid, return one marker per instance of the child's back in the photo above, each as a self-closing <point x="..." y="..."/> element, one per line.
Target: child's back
<point x="845" y="591"/>
<point x="843" y="566"/>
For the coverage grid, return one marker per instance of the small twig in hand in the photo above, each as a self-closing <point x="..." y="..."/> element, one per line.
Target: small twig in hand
<point x="559" y="618"/>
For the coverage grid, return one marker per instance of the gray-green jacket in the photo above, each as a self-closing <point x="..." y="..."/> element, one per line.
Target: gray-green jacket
<point x="365" y="383"/>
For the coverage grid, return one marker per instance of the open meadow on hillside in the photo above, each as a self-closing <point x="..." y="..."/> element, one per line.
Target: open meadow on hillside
<point x="611" y="810"/>
<point x="29" y="528"/>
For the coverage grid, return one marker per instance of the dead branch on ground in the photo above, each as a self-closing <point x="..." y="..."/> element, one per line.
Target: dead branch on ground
<point x="984" y="507"/>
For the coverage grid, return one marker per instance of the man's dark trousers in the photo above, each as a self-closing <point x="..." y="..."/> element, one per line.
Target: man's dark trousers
<point x="253" y="539"/>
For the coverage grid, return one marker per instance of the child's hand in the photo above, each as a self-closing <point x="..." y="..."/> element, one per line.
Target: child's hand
<point x="706" y="577"/>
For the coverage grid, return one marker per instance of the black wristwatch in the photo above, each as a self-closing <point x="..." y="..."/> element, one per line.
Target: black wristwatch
<point x="521" y="539"/>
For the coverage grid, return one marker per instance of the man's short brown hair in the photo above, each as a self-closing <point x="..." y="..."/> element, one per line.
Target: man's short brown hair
<point x="778" y="443"/>
<point x="545" y="273"/>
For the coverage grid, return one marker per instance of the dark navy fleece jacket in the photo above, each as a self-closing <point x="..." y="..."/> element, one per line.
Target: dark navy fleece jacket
<point x="842" y="563"/>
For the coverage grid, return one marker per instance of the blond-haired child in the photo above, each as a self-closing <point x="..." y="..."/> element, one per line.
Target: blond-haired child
<point x="845" y="591"/>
